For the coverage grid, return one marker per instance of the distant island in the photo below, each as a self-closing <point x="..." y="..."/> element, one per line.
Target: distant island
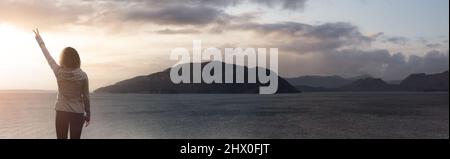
<point x="160" y="83"/>
<point x="415" y="82"/>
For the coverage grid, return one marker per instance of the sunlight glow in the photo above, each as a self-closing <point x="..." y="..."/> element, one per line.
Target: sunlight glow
<point x="20" y="60"/>
<point x="11" y="40"/>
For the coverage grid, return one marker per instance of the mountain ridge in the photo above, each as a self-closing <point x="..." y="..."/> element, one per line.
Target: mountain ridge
<point x="414" y="82"/>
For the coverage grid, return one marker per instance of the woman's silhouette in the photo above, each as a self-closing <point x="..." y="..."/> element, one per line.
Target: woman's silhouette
<point x="72" y="104"/>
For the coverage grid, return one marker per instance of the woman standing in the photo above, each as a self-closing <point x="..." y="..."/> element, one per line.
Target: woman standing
<point x="72" y="104"/>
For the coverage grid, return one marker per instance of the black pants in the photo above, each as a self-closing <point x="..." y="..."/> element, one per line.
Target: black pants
<point x="66" y="120"/>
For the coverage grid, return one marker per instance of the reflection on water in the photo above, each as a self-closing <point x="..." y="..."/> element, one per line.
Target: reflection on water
<point x="308" y="115"/>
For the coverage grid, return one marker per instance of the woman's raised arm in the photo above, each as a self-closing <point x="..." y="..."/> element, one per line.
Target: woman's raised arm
<point x="47" y="55"/>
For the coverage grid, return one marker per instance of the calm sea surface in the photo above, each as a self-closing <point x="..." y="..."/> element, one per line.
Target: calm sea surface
<point x="307" y="115"/>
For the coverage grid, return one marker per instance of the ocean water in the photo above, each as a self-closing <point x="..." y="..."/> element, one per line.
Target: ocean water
<point x="297" y="116"/>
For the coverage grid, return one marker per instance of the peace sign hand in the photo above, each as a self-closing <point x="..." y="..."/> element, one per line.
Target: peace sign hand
<point x="38" y="36"/>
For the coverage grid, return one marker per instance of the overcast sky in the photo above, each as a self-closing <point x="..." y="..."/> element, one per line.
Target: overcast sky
<point x="120" y="39"/>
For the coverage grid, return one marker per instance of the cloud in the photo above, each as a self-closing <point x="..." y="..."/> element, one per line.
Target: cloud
<point x="378" y="63"/>
<point x="433" y="45"/>
<point x="342" y="49"/>
<point x="55" y="13"/>
<point x="332" y="48"/>
<point x="433" y="61"/>
<point x="177" y="31"/>
<point x="198" y="12"/>
<point x="42" y="13"/>
<point x="396" y="40"/>
<point x="285" y="4"/>
<point x="177" y="15"/>
<point x="286" y="28"/>
<point x="304" y="38"/>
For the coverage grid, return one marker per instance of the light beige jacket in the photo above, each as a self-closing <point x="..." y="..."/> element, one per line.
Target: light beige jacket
<point x="73" y="85"/>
